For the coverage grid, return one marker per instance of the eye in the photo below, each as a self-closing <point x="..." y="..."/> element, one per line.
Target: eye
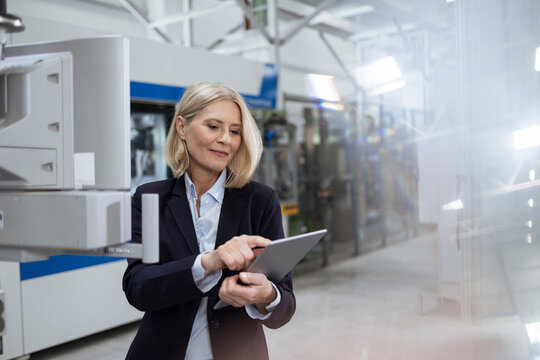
<point x="235" y="132"/>
<point x="212" y="127"/>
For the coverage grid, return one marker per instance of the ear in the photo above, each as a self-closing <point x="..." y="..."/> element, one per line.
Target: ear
<point x="180" y="125"/>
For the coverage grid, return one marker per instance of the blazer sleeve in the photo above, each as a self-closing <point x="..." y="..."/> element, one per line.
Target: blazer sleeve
<point x="271" y="227"/>
<point x="150" y="287"/>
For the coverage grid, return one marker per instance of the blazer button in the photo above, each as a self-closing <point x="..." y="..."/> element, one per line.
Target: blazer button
<point x="214" y="323"/>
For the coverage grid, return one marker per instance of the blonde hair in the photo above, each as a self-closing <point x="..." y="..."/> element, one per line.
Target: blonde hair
<point x="196" y="97"/>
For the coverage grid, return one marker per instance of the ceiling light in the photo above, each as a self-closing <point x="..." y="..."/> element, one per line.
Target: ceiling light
<point x="453" y="205"/>
<point x="322" y="87"/>
<point x="380" y="76"/>
<point x="387" y="88"/>
<point x="331" y="106"/>
<point x="533" y="331"/>
<point x="527" y="137"/>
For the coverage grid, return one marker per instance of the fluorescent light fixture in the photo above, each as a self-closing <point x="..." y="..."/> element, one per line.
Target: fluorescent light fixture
<point x="331" y="106"/>
<point x="537" y="59"/>
<point x="453" y="205"/>
<point x="530" y="202"/>
<point x="529" y="239"/>
<point x="322" y="87"/>
<point x="450" y="1"/>
<point x="532" y="175"/>
<point x="529" y="224"/>
<point x="527" y="137"/>
<point x="386" y="88"/>
<point x="533" y="331"/>
<point x="380" y="76"/>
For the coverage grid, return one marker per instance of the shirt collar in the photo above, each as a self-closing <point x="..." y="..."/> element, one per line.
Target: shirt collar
<point x="217" y="191"/>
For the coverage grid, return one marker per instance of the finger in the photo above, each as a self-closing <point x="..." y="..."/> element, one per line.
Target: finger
<point x="255" y="241"/>
<point x="253" y="279"/>
<point x="225" y="295"/>
<point x="233" y="293"/>
<point x="229" y="282"/>
<point x="232" y="258"/>
<point x="237" y="253"/>
<point x="262" y="290"/>
<point x="246" y="252"/>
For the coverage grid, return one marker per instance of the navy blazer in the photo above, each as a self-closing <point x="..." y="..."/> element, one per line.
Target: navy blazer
<point x="166" y="291"/>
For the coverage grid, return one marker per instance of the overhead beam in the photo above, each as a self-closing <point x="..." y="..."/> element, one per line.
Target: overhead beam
<point x="339" y="15"/>
<point x="187" y="15"/>
<point x="221" y="39"/>
<point x="338" y="59"/>
<point x="323" y="6"/>
<point x="143" y="19"/>
<point x="255" y="21"/>
<point x="324" y="18"/>
<point x="377" y="33"/>
<point x="392" y="10"/>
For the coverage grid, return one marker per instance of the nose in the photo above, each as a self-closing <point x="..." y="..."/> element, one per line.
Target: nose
<point x="224" y="137"/>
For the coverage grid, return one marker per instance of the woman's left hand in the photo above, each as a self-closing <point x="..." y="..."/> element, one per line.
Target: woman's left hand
<point x="248" y="288"/>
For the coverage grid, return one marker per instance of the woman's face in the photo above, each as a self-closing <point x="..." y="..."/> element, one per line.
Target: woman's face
<point x="212" y="138"/>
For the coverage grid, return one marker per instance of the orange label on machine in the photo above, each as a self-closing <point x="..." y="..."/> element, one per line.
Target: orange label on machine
<point x="289" y="209"/>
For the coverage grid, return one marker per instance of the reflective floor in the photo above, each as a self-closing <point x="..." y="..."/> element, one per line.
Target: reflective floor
<point x="367" y="307"/>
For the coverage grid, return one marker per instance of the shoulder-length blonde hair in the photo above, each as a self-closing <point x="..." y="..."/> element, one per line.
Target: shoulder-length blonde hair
<point x="196" y="97"/>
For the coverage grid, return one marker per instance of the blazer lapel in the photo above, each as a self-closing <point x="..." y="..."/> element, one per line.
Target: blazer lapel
<point x="179" y="206"/>
<point x="231" y="215"/>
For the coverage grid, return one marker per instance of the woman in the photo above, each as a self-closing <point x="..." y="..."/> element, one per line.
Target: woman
<point x="212" y="216"/>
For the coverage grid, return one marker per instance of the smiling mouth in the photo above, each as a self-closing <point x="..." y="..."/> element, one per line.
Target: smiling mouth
<point x="219" y="153"/>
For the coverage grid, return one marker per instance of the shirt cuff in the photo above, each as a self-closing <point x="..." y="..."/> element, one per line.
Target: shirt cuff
<point x="254" y="313"/>
<point x="204" y="283"/>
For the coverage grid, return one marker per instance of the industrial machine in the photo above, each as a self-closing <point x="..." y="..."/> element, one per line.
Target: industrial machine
<point x="64" y="189"/>
<point x="277" y="168"/>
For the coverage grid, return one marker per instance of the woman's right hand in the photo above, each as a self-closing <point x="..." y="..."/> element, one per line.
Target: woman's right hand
<point x="236" y="254"/>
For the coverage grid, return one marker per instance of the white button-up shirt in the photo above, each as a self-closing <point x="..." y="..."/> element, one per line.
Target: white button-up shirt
<point x="206" y="224"/>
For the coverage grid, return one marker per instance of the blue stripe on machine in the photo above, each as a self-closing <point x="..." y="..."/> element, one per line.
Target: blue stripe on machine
<point x="155" y="92"/>
<point x="61" y="263"/>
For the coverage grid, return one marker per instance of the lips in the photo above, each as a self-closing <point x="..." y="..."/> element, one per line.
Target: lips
<point x="219" y="153"/>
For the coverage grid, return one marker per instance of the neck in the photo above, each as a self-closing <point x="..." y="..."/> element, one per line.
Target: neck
<point x="203" y="181"/>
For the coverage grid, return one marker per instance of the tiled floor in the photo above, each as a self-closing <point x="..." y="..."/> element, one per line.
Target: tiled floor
<point x="361" y="308"/>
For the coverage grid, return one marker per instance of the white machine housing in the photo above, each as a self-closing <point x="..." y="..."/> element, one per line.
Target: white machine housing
<point x="100" y="115"/>
<point x="36" y="122"/>
<point x="64" y="125"/>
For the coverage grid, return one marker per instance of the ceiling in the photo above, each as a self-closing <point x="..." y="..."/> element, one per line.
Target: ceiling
<point x="221" y="26"/>
<point x="331" y="37"/>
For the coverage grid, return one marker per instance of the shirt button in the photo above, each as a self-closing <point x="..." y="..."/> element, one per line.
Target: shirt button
<point x="214" y="323"/>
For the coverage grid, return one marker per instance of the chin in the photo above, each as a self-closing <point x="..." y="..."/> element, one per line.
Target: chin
<point x="218" y="168"/>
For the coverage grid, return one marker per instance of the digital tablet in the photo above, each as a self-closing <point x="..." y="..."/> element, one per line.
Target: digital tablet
<point x="280" y="256"/>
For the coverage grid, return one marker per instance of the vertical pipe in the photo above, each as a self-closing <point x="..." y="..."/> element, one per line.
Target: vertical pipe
<point x="150" y="228"/>
<point x="186" y="26"/>
<point x="352" y="150"/>
<point x="271" y="11"/>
